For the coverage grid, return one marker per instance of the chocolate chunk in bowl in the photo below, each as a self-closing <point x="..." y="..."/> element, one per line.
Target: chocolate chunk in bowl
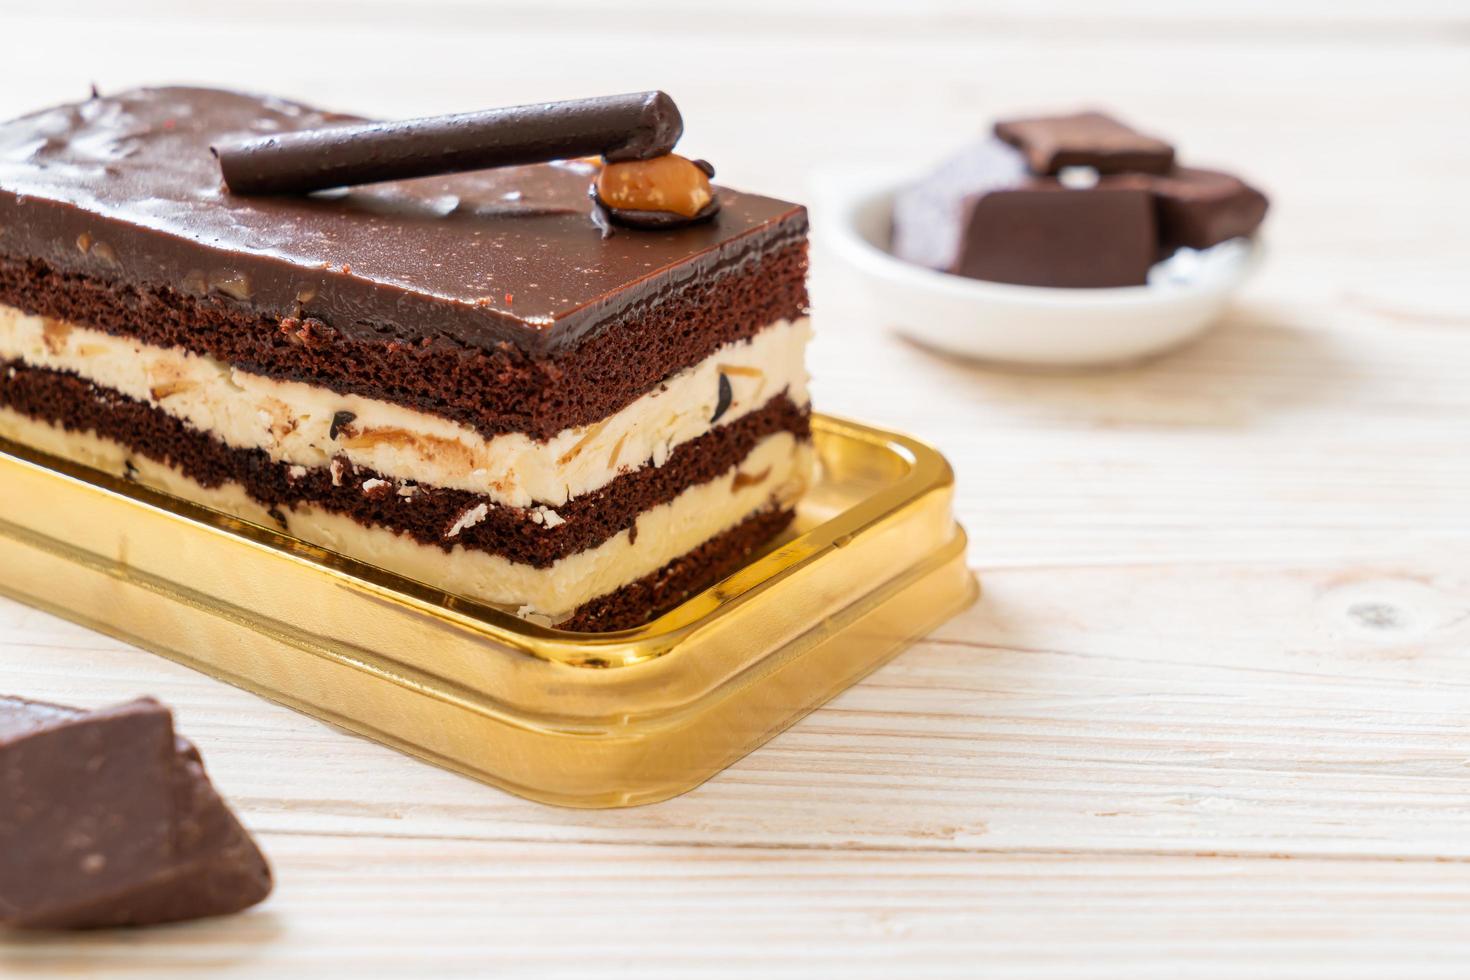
<point x="1085" y="139"/>
<point x="1072" y="204"/>
<point x="1067" y="201"/>
<point x="983" y="215"/>
<point x="1202" y="208"/>
<point x="1052" y="236"/>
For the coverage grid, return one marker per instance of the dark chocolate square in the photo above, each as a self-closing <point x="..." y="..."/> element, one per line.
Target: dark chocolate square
<point x="1059" y="237"/>
<point x="1200" y="208"/>
<point x="1086" y="139"/>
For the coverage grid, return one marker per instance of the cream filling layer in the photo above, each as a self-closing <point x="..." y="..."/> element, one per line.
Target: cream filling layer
<point x="292" y="421"/>
<point x="778" y="469"/>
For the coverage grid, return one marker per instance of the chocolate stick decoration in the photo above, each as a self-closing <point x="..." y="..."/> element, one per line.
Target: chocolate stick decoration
<point x="619" y="127"/>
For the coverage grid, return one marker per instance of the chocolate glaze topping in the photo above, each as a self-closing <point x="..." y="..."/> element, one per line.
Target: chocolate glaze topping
<point x="618" y="127"/>
<point x="124" y="188"/>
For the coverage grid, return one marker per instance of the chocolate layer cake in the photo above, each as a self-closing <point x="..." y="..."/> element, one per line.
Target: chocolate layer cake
<point x="460" y="379"/>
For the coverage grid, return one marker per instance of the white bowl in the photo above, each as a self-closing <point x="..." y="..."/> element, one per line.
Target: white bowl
<point x="1024" y="324"/>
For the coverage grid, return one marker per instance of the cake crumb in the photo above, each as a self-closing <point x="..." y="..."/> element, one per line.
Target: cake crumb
<point x="530" y="614"/>
<point x="468" y="519"/>
<point x="547" y="517"/>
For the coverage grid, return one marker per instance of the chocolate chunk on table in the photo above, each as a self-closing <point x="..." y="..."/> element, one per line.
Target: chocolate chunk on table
<point x="1200" y="208"/>
<point x="1085" y="139"/>
<point x="108" y="819"/>
<point x="1048" y="235"/>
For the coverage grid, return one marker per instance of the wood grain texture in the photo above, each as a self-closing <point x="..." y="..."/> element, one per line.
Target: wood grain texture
<point x="1210" y="718"/>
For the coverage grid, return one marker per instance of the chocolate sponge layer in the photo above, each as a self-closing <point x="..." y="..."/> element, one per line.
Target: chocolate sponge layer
<point x="495" y="391"/>
<point x="427" y="513"/>
<point x="655" y="594"/>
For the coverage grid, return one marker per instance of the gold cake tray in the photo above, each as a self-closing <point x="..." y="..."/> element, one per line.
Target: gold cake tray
<point x="874" y="561"/>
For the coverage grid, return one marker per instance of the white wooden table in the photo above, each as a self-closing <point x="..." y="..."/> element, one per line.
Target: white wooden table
<point x="1213" y="712"/>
